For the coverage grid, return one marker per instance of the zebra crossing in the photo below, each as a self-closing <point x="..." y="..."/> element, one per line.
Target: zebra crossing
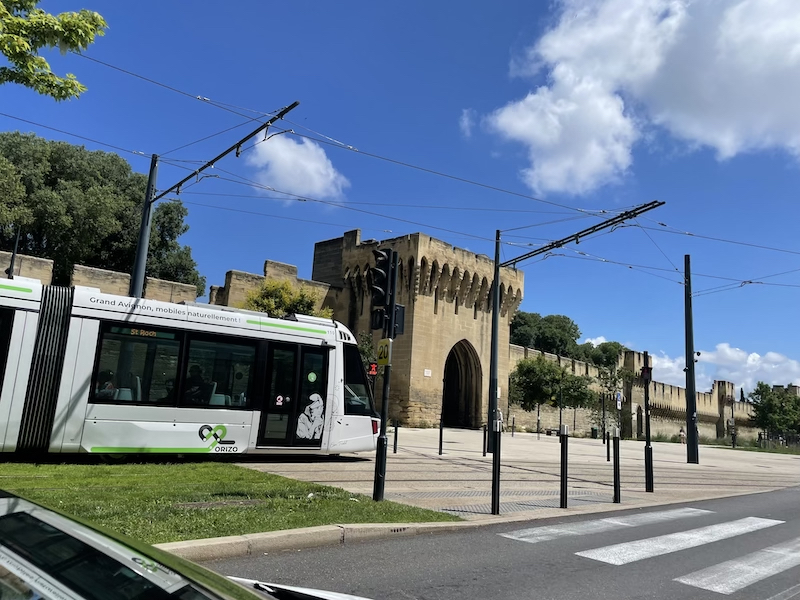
<point x="724" y="578"/>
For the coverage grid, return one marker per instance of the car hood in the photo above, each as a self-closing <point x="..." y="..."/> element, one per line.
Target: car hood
<point x="289" y="592"/>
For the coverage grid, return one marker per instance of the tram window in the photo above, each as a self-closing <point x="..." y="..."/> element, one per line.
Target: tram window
<point x="6" y="317"/>
<point x="136" y="365"/>
<point x="218" y="374"/>
<point x="357" y="395"/>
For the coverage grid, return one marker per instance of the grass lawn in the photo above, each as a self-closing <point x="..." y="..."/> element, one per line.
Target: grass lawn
<point x="158" y="503"/>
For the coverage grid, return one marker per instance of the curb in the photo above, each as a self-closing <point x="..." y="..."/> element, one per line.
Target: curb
<point x="297" y="539"/>
<point x="234" y="546"/>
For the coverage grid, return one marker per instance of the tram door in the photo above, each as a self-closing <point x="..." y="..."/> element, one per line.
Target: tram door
<point x="296" y="386"/>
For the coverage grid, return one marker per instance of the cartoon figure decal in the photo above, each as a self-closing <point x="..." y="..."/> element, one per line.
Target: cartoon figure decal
<point x="310" y="423"/>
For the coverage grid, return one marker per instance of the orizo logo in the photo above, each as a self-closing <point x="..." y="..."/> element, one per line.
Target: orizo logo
<point x="216" y="433"/>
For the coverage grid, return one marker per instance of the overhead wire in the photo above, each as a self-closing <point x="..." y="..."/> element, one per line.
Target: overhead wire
<point x="324" y="139"/>
<point x="739" y="283"/>
<point x="402" y="205"/>
<point x="288" y="196"/>
<point x="250" y="212"/>
<point x="208" y="137"/>
<point x="301" y="198"/>
<point x="664" y="254"/>
<point x="75" y="135"/>
<point x="675" y="231"/>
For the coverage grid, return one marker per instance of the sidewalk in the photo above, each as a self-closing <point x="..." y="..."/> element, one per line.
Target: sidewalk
<point x="459" y="482"/>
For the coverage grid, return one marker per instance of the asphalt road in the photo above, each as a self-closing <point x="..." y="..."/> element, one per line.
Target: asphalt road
<point x="746" y="547"/>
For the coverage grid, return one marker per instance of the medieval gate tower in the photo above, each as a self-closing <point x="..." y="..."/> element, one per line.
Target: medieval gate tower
<point x="440" y="365"/>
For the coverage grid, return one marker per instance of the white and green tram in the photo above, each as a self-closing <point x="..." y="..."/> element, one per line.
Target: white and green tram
<point x="84" y="371"/>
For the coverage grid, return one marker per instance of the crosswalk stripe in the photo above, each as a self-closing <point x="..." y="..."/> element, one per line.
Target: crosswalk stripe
<point x="787" y="594"/>
<point x="546" y="533"/>
<point x="628" y="552"/>
<point x="731" y="576"/>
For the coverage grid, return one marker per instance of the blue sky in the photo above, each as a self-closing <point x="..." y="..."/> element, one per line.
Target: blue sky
<point x="599" y="104"/>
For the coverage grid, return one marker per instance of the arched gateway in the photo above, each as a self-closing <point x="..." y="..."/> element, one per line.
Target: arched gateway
<point x="462" y="387"/>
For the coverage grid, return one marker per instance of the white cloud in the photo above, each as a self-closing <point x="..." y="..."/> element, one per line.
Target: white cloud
<point x="726" y="363"/>
<point x="595" y="341"/>
<point x="719" y="74"/>
<point x="466" y="122"/>
<point x="300" y="168"/>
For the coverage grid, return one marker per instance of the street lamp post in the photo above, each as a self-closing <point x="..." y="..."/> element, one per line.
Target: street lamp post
<point x="647" y="375"/>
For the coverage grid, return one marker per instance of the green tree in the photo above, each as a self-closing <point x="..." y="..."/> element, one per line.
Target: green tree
<point x="83" y="207"/>
<point x="366" y="348"/>
<point x="537" y="381"/>
<point x="12" y="208"/>
<point x="556" y="334"/>
<point x="25" y="30"/>
<point x="280" y="298"/>
<point x="524" y="328"/>
<point x="775" y="410"/>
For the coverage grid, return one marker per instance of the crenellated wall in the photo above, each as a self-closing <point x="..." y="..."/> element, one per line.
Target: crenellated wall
<point x="109" y="282"/>
<point x="715" y="408"/>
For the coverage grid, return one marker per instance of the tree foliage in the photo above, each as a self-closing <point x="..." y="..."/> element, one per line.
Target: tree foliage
<point x="279" y="299"/>
<point x="775" y="410"/>
<point x="558" y="334"/>
<point x="537" y="381"/>
<point x="83" y="207"/>
<point x="25" y="30"/>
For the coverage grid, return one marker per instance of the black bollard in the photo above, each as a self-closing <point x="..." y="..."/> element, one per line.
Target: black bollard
<point x="564" y="434"/>
<point x="608" y="446"/>
<point x="648" y="468"/>
<point x="513" y="425"/>
<point x="441" y="435"/>
<point x="484" y="439"/>
<point x="396" y="426"/>
<point x="617" y="486"/>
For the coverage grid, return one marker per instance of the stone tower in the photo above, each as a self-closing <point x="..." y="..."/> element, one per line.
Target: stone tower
<point x="440" y="365"/>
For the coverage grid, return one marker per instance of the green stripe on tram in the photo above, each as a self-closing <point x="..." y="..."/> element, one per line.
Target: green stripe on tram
<point x="133" y="450"/>
<point x="283" y="326"/>
<point x="15" y="288"/>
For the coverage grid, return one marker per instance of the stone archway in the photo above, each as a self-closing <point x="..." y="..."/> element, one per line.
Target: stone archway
<point x="462" y="389"/>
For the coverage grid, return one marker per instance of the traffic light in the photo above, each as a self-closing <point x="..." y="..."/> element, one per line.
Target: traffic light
<point x="380" y="278"/>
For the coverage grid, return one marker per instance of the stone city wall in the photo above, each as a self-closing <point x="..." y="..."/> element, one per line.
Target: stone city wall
<point x="667" y="403"/>
<point x="108" y="282"/>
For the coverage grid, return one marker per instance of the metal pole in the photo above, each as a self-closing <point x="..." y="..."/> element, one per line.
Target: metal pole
<point x="560" y="404"/>
<point x="648" y="449"/>
<point x="513" y="425"/>
<point x="538" y="423"/>
<point x="136" y="288"/>
<point x="441" y="434"/>
<point x="10" y="270"/>
<point x="564" y="433"/>
<point x="495" y="342"/>
<point x="496" y="468"/>
<point x="484" y="439"/>
<point x="137" y="276"/>
<point x="604" y="417"/>
<point x="494" y="413"/>
<point x="380" y="456"/>
<point x="692" y="445"/>
<point x="396" y="427"/>
<point x="608" y="446"/>
<point x="617" y="486"/>
<point x="733" y="423"/>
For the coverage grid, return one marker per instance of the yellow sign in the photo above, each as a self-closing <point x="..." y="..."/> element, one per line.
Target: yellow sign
<point x="385" y="352"/>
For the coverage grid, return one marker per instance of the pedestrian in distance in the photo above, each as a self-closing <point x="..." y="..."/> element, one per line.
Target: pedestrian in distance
<point x="682" y="435"/>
